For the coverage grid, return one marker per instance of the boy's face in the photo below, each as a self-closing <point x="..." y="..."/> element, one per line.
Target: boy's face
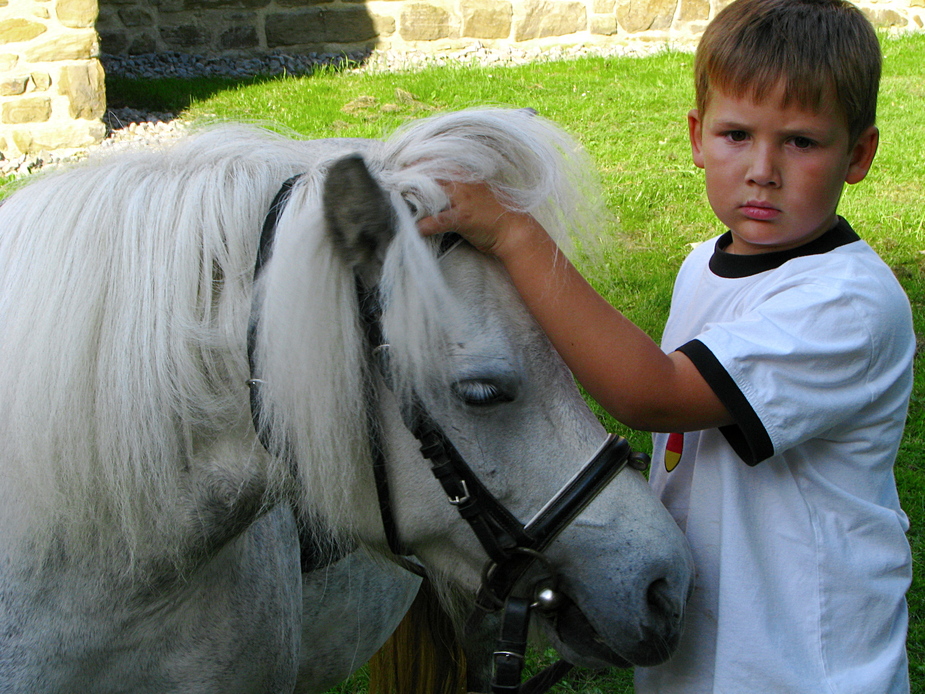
<point x="774" y="174"/>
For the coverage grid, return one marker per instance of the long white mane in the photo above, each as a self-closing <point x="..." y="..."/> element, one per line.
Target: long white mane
<point x="125" y="293"/>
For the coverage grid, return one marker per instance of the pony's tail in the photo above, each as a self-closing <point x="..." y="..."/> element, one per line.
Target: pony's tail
<point x="423" y="655"/>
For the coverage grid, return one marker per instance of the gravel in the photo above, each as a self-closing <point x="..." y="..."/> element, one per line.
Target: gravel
<point x="127" y="127"/>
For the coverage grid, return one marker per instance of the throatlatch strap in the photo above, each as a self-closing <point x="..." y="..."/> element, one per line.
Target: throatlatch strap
<point x="512" y="647"/>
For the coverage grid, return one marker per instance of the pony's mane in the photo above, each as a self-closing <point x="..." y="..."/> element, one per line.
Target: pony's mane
<point x="124" y="296"/>
<point x="125" y="291"/>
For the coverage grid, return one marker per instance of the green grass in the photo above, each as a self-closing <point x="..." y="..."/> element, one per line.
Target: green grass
<point x="630" y="115"/>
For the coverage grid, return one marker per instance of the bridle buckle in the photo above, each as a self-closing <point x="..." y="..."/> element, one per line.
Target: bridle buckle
<point x="465" y="498"/>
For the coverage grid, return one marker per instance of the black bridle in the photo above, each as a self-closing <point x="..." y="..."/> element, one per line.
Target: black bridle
<point x="513" y="547"/>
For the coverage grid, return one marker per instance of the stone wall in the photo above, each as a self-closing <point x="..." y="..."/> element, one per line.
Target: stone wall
<point x="52" y="93"/>
<point x="229" y="27"/>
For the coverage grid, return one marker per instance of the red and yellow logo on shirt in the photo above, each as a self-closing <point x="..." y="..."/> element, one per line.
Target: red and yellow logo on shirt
<point x="673" y="450"/>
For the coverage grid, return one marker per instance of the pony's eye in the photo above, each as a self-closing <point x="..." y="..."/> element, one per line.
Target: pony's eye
<point x="480" y="393"/>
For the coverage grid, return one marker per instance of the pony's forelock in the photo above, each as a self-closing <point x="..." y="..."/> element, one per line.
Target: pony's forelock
<point x="533" y="165"/>
<point x="418" y="308"/>
<point x="313" y="353"/>
<point x="311" y="357"/>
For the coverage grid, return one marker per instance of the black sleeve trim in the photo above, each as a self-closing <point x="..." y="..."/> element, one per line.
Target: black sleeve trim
<point x="748" y="437"/>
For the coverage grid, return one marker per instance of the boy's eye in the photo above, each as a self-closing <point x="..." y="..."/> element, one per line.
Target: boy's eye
<point x="737" y="135"/>
<point x="802" y="142"/>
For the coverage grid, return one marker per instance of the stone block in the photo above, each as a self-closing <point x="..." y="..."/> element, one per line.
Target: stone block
<point x="348" y="25"/>
<point x="29" y="110"/>
<point x="883" y="19"/>
<point x="694" y="10"/>
<point x="106" y="18"/>
<point x="41" y="81"/>
<point x="76" y="14"/>
<point x="79" y="44"/>
<point x="141" y="44"/>
<point x="423" y="22"/>
<point x="136" y="17"/>
<point x="8" y="61"/>
<point x="13" y="86"/>
<point x="84" y="87"/>
<point x="383" y="25"/>
<point x="551" y="18"/>
<point x="603" y="25"/>
<point x="18" y="29"/>
<point x="603" y="6"/>
<point x="643" y="15"/>
<point x="113" y="42"/>
<point x="319" y="25"/>
<point x="294" y="28"/>
<point x="208" y="5"/>
<point x="486" y="19"/>
<point x="186" y="36"/>
<point x="22" y="141"/>
<point x="66" y="136"/>
<point x="239" y="37"/>
<point x="302" y="3"/>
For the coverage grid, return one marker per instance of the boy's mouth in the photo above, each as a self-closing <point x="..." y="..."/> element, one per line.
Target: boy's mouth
<point x="759" y="211"/>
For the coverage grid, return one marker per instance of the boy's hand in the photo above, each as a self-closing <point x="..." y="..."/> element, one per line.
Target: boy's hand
<point x="476" y="214"/>
<point x="613" y="359"/>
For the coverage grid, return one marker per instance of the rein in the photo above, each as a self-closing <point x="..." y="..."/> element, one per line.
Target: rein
<point x="513" y="547"/>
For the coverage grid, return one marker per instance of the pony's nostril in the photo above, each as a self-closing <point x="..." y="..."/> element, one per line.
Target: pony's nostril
<point x="662" y="601"/>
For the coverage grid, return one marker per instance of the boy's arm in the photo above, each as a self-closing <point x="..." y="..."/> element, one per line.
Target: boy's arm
<point x="616" y="362"/>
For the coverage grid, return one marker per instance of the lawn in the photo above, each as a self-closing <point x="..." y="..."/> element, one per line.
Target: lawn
<point x="630" y="115"/>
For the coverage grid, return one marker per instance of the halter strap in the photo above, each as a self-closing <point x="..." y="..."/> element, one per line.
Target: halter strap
<point x="313" y="554"/>
<point x="264" y="251"/>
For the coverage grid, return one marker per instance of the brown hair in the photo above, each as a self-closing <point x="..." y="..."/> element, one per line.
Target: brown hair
<point x="818" y="48"/>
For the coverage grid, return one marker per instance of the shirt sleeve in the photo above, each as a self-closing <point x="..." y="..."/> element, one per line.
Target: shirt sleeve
<point x="800" y="362"/>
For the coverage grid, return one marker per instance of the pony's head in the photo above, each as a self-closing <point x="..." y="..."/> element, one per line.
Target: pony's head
<point x="460" y="343"/>
<point x="353" y="218"/>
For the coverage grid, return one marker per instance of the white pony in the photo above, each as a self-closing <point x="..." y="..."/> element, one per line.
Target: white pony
<point x="150" y="543"/>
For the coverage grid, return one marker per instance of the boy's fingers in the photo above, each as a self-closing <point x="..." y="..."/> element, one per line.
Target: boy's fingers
<point x="436" y="224"/>
<point x="428" y="226"/>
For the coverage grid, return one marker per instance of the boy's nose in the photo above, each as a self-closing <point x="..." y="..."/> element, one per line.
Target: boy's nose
<point x="763" y="169"/>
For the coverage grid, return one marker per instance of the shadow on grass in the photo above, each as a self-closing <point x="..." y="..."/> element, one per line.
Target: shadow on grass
<point x="176" y="94"/>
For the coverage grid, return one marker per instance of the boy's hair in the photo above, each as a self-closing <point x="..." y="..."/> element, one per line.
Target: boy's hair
<point x="817" y="48"/>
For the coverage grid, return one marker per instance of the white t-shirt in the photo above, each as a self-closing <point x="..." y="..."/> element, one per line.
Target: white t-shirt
<point x="792" y="513"/>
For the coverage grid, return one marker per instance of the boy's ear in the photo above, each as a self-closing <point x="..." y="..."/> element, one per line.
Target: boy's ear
<point x="862" y="155"/>
<point x="695" y="130"/>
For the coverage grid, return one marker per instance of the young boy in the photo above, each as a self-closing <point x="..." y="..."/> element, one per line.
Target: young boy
<point x="788" y="365"/>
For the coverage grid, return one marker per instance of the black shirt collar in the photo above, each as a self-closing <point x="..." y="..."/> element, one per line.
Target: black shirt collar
<point x="733" y="266"/>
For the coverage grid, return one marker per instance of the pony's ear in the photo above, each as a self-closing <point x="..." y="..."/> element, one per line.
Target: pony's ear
<point x="359" y="217"/>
